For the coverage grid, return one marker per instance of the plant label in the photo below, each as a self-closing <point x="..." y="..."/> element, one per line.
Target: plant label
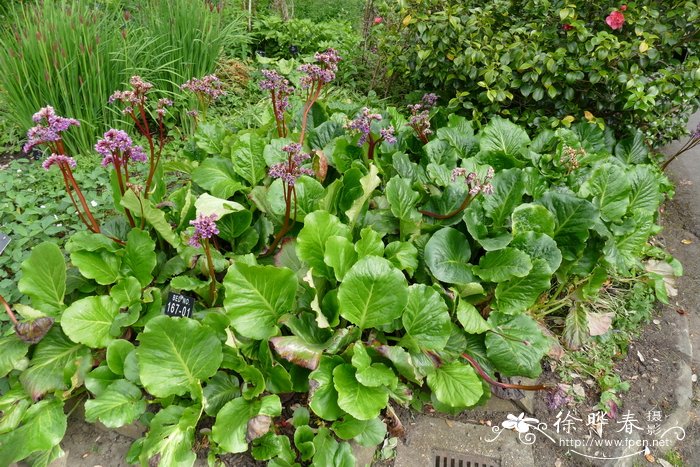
<point x="178" y="305"/>
<point x="4" y="241"/>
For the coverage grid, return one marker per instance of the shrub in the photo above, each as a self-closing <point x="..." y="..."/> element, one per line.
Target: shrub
<point x="351" y="258"/>
<point x="542" y="62"/>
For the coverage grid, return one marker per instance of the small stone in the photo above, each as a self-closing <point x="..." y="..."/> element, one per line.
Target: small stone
<point x="656" y="321"/>
<point x="694" y="378"/>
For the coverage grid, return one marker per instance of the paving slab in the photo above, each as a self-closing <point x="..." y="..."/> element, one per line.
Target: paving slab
<point x="426" y="435"/>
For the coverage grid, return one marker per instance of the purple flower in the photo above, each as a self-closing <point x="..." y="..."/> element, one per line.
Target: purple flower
<point x="162" y="104"/>
<point x="429" y="100"/>
<point x="117" y="147"/>
<point x="280" y="89"/>
<point x="323" y="72"/>
<point x="291" y="170"/>
<point x="132" y="98"/>
<point x="471" y="179"/>
<point x="387" y="134"/>
<point x="48" y="129"/>
<point x="193" y="113"/>
<point x="362" y="125"/>
<point x="558" y="398"/>
<point x="204" y="228"/>
<point x="696" y="134"/>
<point x="58" y="159"/>
<point x="208" y="86"/>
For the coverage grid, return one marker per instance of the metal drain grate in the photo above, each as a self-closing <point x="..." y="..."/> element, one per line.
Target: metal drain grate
<point x="445" y="458"/>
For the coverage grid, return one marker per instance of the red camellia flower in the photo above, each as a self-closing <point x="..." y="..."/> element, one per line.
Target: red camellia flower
<point x="567" y="27"/>
<point x="378" y="20"/>
<point x="623" y="8"/>
<point x="615" y="20"/>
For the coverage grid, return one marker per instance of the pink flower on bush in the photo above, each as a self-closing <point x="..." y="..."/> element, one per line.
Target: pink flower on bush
<point x="378" y="20"/>
<point x="615" y="20"/>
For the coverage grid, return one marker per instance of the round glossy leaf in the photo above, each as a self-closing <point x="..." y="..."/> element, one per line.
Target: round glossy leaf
<point x="447" y="254"/>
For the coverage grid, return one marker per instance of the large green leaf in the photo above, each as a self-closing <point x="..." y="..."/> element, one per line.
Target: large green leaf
<point x="623" y="250"/>
<point x="371" y="374"/>
<point x="403" y="255"/>
<point x="221" y="389"/>
<point x="257" y="296"/>
<point x="362" y="402"/>
<point x="176" y="354"/>
<point x="248" y="159"/>
<point x="366" y="432"/>
<point x="609" y="187"/>
<point x="368" y="183"/>
<point x="645" y="194"/>
<point x="574" y="217"/>
<point x="120" y="404"/>
<point x="155" y="217"/>
<point x="42" y="428"/>
<point x="508" y="189"/>
<point x="447" y="254"/>
<point x="501" y="265"/>
<point x="117" y="352"/>
<point x="12" y="351"/>
<point x="89" y="320"/>
<point x="456" y="385"/>
<point x="102" y="266"/>
<point x="520" y="293"/>
<point x="533" y="217"/>
<point x="517" y="345"/>
<point x="217" y="176"/>
<point x="232" y="430"/>
<point x="54" y="357"/>
<point x="323" y="398"/>
<point x="503" y="143"/>
<point x="330" y="452"/>
<point x="403" y="199"/>
<point x="318" y="227"/>
<point x="340" y="254"/>
<point x="208" y="205"/>
<point x="632" y="150"/>
<point x="373" y="293"/>
<point x="44" y="278"/>
<point x="169" y="441"/>
<point x="539" y="245"/>
<point x="470" y="318"/>
<point x="425" y="319"/>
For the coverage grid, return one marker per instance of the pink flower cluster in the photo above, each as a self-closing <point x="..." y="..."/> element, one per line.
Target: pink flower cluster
<point x="116" y="147"/>
<point x="48" y="129"/>
<point x="208" y="86"/>
<point x="291" y="170"/>
<point x="134" y="97"/>
<point x="476" y="186"/>
<point x="162" y="104"/>
<point x="280" y="89"/>
<point x="363" y="124"/>
<point x="420" y="114"/>
<point x="58" y="159"/>
<point x="204" y="228"/>
<point x="322" y="72"/>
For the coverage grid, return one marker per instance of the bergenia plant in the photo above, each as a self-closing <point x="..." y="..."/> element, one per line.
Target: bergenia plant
<point x="207" y="89"/>
<point x="134" y="102"/>
<point x="363" y="125"/>
<point x="420" y="116"/>
<point x="117" y="150"/>
<point x="316" y="76"/>
<point x="280" y="90"/>
<point x="289" y="172"/>
<point x="474" y="183"/>
<point x="47" y="131"/>
<point x="205" y="229"/>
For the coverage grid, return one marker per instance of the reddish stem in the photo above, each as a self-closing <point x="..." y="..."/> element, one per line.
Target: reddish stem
<point x="487" y="378"/>
<point x="12" y="316"/>
<point x="212" y="274"/>
<point x="461" y="208"/>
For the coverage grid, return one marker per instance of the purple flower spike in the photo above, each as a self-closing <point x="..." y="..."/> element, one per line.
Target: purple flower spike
<point x="388" y="135"/>
<point x="362" y="125"/>
<point x="117" y="147"/>
<point x="132" y="98"/>
<point x="322" y="72"/>
<point x="472" y="180"/>
<point x="204" y="228"/>
<point x="291" y="170"/>
<point x="48" y="129"/>
<point x="58" y="159"/>
<point x="280" y="89"/>
<point x="208" y="86"/>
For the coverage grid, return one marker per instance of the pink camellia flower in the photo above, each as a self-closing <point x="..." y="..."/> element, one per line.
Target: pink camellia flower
<point x="378" y="20"/>
<point x="567" y="27"/>
<point x="623" y="8"/>
<point x="615" y="20"/>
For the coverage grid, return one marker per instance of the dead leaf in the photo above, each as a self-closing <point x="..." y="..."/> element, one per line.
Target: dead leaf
<point x="32" y="332"/>
<point x="599" y="323"/>
<point x="681" y="311"/>
<point x="258" y="426"/>
<point x="648" y="456"/>
<point x="394" y="425"/>
<point x="640" y="356"/>
<point x="685" y="241"/>
<point x="665" y="270"/>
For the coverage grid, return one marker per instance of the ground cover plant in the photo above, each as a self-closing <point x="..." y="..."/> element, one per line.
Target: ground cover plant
<point x="338" y="262"/>
<point x="632" y="65"/>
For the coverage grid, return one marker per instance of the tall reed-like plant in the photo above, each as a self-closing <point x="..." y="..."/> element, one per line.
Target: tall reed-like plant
<point x="67" y="55"/>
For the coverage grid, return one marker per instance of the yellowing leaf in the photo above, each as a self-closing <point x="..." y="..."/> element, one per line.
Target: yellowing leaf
<point x="567" y="120"/>
<point x="643" y="47"/>
<point x="686" y="242"/>
<point x="589" y="116"/>
<point x="406" y="21"/>
<point x="450" y="57"/>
